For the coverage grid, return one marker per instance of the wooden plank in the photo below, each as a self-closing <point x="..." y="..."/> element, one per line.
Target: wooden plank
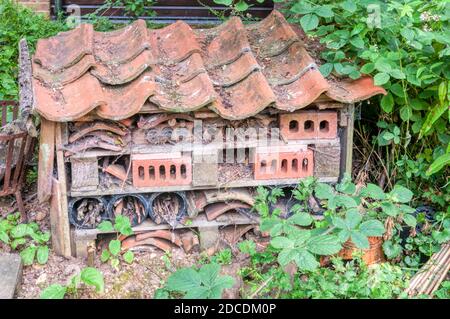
<point x="59" y="229"/>
<point x="61" y="216"/>
<point x="347" y="140"/>
<point x="46" y="160"/>
<point x="26" y="89"/>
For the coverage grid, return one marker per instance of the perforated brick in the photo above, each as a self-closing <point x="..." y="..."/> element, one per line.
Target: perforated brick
<point x="284" y="164"/>
<point x="309" y="125"/>
<point x="148" y="172"/>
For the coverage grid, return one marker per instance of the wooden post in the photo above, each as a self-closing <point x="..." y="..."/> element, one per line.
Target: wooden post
<point x="347" y="139"/>
<point x="59" y="215"/>
<point x="46" y="160"/>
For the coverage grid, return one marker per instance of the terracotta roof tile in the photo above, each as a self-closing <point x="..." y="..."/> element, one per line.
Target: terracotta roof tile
<point x="235" y="70"/>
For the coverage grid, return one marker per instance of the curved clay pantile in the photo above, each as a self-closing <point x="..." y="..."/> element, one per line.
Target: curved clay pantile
<point x="233" y="69"/>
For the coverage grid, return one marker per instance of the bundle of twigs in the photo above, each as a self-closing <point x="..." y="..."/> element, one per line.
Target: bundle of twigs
<point x="428" y="279"/>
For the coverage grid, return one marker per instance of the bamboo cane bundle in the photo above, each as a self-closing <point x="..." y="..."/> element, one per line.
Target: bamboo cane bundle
<point x="428" y="279"/>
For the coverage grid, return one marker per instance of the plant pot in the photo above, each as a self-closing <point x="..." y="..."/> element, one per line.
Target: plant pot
<point x="75" y="203"/>
<point x="370" y="256"/>
<point x="181" y="211"/>
<point x="135" y="220"/>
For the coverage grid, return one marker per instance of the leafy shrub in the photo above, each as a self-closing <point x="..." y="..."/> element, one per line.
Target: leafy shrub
<point x="17" y="22"/>
<point x="26" y="238"/>
<point x="191" y="283"/>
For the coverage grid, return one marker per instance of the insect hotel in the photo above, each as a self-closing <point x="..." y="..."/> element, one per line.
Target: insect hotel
<point x="175" y="127"/>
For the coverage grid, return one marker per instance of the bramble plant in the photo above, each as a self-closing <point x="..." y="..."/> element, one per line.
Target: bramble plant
<point x="88" y="276"/>
<point x="192" y="283"/>
<point x="122" y="226"/>
<point x="26" y="238"/>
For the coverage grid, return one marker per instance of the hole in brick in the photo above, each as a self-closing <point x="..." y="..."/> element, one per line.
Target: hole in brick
<point x="309" y="126"/>
<point x="284" y="165"/>
<point x="273" y="167"/>
<point x="263" y="166"/>
<point x="293" y="126"/>
<point x="305" y="164"/>
<point x="183" y="171"/>
<point x="162" y="172"/>
<point x="151" y="172"/>
<point x="173" y="172"/>
<point x="324" y="126"/>
<point x="141" y="172"/>
<point x="295" y="165"/>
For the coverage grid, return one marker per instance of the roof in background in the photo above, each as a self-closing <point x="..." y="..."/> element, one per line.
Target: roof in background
<point x="234" y="69"/>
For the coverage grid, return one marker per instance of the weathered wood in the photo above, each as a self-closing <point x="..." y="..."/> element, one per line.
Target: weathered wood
<point x="327" y="160"/>
<point x="209" y="237"/>
<point x="46" y="160"/>
<point x="347" y="140"/>
<point x="26" y="89"/>
<point x="84" y="174"/>
<point x="204" y="168"/>
<point x="59" y="217"/>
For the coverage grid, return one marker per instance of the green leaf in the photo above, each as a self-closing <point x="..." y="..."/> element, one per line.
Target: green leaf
<point x="114" y="247"/>
<point x="199" y="292"/>
<point x="360" y="240"/>
<point x="105" y="226"/>
<point x="42" y="255"/>
<point x="306" y="261"/>
<point x="352" y="218"/>
<point x="349" y="6"/>
<point x="410" y="220"/>
<point x="325" y="11"/>
<point x="123" y="225"/>
<point x="401" y="194"/>
<point x="128" y="257"/>
<point x="54" y="291"/>
<point x="324" y="245"/>
<point x="368" y="68"/>
<point x="438" y="164"/>
<point x="4" y="237"/>
<point x="405" y="113"/>
<point x="241" y="6"/>
<point x="381" y="78"/>
<point x="224" y="2"/>
<point x="286" y="256"/>
<point x="93" y="277"/>
<point x="345" y="201"/>
<point x="105" y="255"/>
<point x="389" y="209"/>
<point x="323" y="191"/>
<point x="301" y="219"/>
<point x="326" y="69"/>
<point x="357" y="42"/>
<point x="372" y="228"/>
<point x="183" y="280"/>
<point x="208" y="273"/>
<point x="383" y="66"/>
<point x="373" y="191"/>
<point x="309" y="22"/>
<point x="339" y="222"/>
<point x="28" y="255"/>
<point x="397" y="90"/>
<point x="281" y="243"/>
<point x="391" y="250"/>
<point x="432" y="117"/>
<point x="397" y="74"/>
<point x="19" y="231"/>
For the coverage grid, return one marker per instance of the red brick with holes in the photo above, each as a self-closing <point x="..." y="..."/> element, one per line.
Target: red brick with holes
<point x="149" y="172"/>
<point x="309" y="125"/>
<point x="284" y="164"/>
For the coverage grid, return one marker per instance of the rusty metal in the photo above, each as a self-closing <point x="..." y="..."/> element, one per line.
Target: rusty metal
<point x="17" y="148"/>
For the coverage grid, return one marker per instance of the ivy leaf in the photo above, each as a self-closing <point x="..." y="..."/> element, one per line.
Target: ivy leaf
<point x="326" y="69"/>
<point x="387" y="103"/>
<point x="42" y="255"/>
<point x="114" y="247"/>
<point x="324" y="245"/>
<point x="309" y="22"/>
<point x="360" y="240"/>
<point x="372" y="228"/>
<point x="55" y="291"/>
<point x="373" y="191"/>
<point x="301" y="219"/>
<point x="401" y="194"/>
<point x="381" y="78"/>
<point x="93" y="277"/>
<point x="128" y="257"/>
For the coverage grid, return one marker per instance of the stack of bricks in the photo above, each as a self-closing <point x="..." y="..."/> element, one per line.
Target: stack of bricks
<point x="38" y="6"/>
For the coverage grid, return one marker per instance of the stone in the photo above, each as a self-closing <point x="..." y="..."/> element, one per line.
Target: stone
<point x="10" y="275"/>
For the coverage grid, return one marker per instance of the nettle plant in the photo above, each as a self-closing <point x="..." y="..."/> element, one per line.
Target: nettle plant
<point x="122" y="226"/>
<point x="88" y="276"/>
<point x="192" y="283"/>
<point x="405" y="46"/>
<point x="26" y="238"/>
